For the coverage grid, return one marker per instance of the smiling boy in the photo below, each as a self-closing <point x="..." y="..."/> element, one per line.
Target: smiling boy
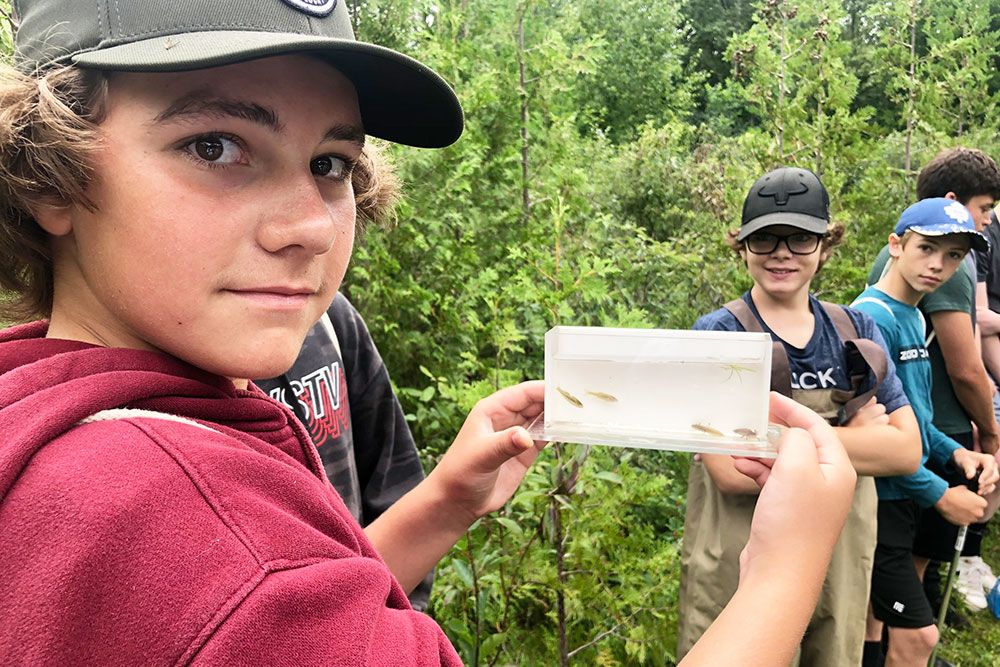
<point x="927" y="247"/>
<point x="784" y="240"/>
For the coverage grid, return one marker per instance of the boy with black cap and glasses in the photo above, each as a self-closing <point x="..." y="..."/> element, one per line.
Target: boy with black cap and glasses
<point x="927" y="247"/>
<point x="826" y="357"/>
<point x="178" y="185"/>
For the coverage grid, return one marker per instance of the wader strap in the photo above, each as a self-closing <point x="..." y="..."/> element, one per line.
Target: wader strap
<point x="781" y="373"/>
<point x="861" y="354"/>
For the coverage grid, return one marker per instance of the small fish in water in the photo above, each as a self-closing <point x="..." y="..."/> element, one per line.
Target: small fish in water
<point x="570" y="397"/>
<point x="704" y="428"/>
<point x="603" y="396"/>
<point x="746" y="433"/>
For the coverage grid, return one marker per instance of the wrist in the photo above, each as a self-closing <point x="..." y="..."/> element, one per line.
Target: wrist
<point x="454" y="516"/>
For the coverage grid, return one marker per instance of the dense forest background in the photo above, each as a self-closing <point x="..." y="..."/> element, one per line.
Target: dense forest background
<point x="609" y="144"/>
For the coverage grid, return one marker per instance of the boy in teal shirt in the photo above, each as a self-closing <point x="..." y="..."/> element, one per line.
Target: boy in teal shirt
<point x="927" y="246"/>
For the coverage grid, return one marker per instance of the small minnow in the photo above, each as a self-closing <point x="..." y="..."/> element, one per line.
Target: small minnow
<point x="570" y="397"/>
<point x="604" y="397"/>
<point x="747" y="433"/>
<point x="708" y="429"/>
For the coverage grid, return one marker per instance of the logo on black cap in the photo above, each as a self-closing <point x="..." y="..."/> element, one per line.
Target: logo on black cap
<point x="783" y="187"/>
<point x="313" y="7"/>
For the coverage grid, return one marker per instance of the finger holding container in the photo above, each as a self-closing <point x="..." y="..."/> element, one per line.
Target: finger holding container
<point x="800" y="512"/>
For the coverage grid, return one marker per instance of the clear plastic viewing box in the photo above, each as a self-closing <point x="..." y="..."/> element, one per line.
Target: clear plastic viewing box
<point x="696" y="391"/>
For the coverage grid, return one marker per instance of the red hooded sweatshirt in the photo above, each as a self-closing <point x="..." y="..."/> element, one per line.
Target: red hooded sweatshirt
<point x="194" y="527"/>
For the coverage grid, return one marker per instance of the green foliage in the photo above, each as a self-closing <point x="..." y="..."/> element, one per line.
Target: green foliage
<point x="608" y="149"/>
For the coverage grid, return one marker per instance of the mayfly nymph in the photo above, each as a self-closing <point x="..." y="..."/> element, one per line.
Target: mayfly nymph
<point x="603" y="396"/>
<point x="570" y="397"/>
<point x="746" y="433"/>
<point x="704" y="428"/>
<point x="735" y="370"/>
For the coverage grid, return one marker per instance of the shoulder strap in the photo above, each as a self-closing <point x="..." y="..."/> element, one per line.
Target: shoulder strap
<point x="327" y="325"/>
<point x="781" y="373"/>
<point x="861" y="352"/>
<point x="870" y="299"/>
<point x="841" y="320"/>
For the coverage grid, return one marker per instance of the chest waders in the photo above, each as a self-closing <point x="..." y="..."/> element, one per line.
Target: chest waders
<point x="717" y="525"/>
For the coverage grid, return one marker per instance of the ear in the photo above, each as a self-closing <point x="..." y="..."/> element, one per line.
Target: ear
<point x="56" y="219"/>
<point x="952" y="196"/>
<point x="895" y="246"/>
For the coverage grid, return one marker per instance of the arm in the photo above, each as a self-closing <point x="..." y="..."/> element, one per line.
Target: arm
<point x="722" y="469"/>
<point x="879" y="448"/>
<point x="989" y="321"/>
<point x="478" y="474"/>
<point x="967" y="373"/>
<point x="798" y="518"/>
<point x="989" y="327"/>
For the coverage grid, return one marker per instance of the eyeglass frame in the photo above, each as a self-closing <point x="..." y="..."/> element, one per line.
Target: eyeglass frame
<point x="783" y="238"/>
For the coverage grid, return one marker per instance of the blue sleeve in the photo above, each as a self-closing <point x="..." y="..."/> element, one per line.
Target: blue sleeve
<point x="941" y="447"/>
<point x="891" y="393"/>
<point x="923" y="486"/>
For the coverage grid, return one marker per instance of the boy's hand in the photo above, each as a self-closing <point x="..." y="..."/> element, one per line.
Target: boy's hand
<point x="806" y="496"/>
<point x="970" y="462"/>
<point x="484" y="466"/>
<point x="871" y="413"/>
<point x="961" y="506"/>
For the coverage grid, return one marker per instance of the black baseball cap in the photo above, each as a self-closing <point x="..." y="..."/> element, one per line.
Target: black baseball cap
<point x="790" y="196"/>
<point x="401" y="99"/>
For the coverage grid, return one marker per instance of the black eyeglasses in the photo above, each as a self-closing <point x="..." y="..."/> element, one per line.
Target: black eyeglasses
<point x="762" y="243"/>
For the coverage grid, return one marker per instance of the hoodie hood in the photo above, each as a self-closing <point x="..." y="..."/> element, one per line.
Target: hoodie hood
<point x="47" y="386"/>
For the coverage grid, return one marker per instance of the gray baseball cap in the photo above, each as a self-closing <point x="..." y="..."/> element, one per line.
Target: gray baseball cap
<point x="401" y="99"/>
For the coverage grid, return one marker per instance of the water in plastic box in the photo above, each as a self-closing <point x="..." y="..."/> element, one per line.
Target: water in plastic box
<point x="697" y="386"/>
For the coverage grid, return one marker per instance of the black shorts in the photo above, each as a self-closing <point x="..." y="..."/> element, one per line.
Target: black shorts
<point x="898" y="598"/>
<point x="936" y="536"/>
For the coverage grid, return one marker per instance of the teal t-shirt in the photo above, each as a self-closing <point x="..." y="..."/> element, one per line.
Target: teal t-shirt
<point x="903" y="330"/>
<point x="957" y="293"/>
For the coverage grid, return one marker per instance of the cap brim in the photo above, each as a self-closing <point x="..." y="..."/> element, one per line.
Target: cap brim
<point x="801" y="221"/>
<point x="979" y="242"/>
<point x="401" y="99"/>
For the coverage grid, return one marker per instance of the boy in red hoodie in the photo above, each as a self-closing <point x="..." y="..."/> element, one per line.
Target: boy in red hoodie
<point x="179" y="183"/>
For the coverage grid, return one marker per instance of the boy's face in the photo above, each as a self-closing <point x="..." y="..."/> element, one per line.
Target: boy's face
<point x="927" y="262"/>
<point x="980" y="207"/>
<point x="782" y="273"/>
<point x="224" y="214"/>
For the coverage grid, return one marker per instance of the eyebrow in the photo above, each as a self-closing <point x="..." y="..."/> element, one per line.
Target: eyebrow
<point x="202" y="103"/>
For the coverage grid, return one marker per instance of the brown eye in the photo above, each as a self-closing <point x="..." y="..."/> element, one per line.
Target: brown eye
<point x="329" y="166"/>
<point x="217" y="150"/>
<point x="209" y="150"/>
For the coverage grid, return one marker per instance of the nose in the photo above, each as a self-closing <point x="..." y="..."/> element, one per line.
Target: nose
<point x="936" y="261"/>
<point x="782" y="249"/>
<point x="301" y="217"/>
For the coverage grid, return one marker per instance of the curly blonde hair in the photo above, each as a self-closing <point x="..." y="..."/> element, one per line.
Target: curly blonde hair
<point x="48" y="135"/>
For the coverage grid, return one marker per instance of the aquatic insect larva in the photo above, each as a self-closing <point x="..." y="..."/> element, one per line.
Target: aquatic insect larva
<point x="603" y="396"/>
<point x="747" y="433"/>
<point x="570" y="397"/>
<point x="737" y="370"/>
<point x="704" y="428"/>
